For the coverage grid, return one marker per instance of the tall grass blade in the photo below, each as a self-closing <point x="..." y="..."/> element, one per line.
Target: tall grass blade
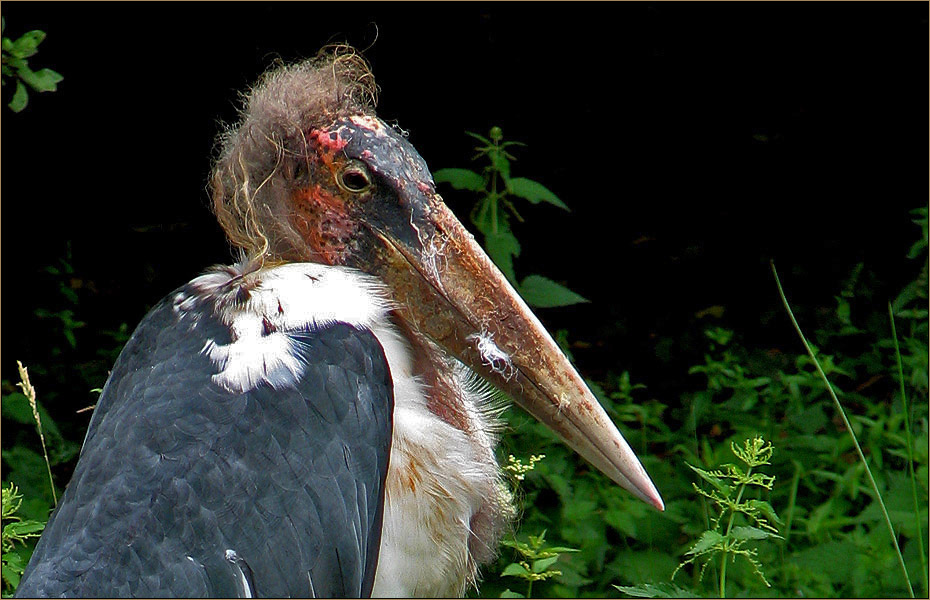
<point x="910" y="448"/>
<point x="30" y="393"/>
<point x="839" y="407"/>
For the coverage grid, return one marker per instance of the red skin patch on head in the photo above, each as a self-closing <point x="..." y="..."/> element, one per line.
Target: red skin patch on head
<point x="322" y="220"/>
<point x="325" y="139"/>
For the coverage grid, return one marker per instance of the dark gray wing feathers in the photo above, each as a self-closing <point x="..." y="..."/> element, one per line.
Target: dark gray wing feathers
<point x="186" y="489"/>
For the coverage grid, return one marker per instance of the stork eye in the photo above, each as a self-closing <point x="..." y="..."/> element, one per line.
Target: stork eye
<point x="354" y="177"/>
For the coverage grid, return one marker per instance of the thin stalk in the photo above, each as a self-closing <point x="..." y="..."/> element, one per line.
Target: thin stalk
<point x="910" y="449"/>
<point x="795" y="481"/>
<point x="492" y="197"/>
<point x="839" y="407"/>
<point x="723" y="565"/>
<point x="30" y="393"/>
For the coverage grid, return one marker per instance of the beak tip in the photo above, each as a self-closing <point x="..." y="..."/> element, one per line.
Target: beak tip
<point x="658" y="503"/>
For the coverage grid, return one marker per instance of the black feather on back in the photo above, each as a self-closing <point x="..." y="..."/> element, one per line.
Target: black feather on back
<point x="186" y="489"/>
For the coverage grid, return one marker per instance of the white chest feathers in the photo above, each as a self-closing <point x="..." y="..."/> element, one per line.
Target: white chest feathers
<point x="445" y="504"/>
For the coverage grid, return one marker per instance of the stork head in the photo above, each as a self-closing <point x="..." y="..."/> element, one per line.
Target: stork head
<point x="311" y="174"/>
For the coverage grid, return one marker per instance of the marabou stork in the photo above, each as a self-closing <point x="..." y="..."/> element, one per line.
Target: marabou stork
<point x="307" y="422"/>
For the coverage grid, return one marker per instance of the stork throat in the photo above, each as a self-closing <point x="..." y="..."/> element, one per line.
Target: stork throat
<point x="323" y="222"/>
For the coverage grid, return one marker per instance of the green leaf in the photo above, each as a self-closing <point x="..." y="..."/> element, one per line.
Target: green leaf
<point x="480" y="138"/>
<point x="20" y="98"/>
<point x="712" y="479"/>
<point x="23" y="528"/>
<point x="515" y="570"/>
<point x="766" y="509"/>
<point x="561" y="549"/>
<point x="511" y="594"/>
<point x="500" y="163"/>
<point x="460" y="179"/>
<point x="16" y="407"/>
<point x="12" y="568"/>
<point x="656" y="590"/>
<point x="708" y="540"/>
<point x="545" y="293"/>
<point x="44" y="80"/>
<point x="534" y="191"/>
<point x="502" y="247"/>
<point x="26" y="45"/>
<point x="751" y="533"/>
<point x="542" y="564"/>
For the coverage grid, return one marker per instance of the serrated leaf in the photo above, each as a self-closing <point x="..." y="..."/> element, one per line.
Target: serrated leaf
<point x="766" y="509"/>
<point x="502" y="165"/>
<point x="478" y="137"/>
<point x="539" y="566"/>
<point x="656" y="590"/>
<point x="711" y="479"/>
<point x="502" y="247"/>
<point x="16" y="63"/>
<point x="541" y="292"/>
<point x="751" y="533"/>
<point x="27" y="43"/>
<point x="515" y="570"/>
<point x="707" y="541"/>
<point x="20" y="98"/>
<point x="22" y="528"/>
<point x="534" y="191"/>
<point x="561" y="549"/>
<point x="460" y="179"/>
<point x="14" y="561"/>
<point x="11" y="574"/>
<point x="43" y="80"/>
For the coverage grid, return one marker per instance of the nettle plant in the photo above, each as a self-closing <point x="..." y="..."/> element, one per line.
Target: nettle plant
<point x="496" y="191"/>
<point x="727" y="486"/>
<point x="15" y="66"/>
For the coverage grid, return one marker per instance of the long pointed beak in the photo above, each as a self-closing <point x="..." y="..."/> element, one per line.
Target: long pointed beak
<point x="450" y="290"/>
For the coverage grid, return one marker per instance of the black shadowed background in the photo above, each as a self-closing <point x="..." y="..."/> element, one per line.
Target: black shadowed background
<point x="694" y="143"/>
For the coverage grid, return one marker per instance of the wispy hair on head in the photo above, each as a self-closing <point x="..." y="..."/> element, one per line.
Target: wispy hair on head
<point x="248" y="186"/>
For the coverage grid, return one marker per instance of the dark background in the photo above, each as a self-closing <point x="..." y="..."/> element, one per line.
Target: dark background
<point x="694" y="143"/>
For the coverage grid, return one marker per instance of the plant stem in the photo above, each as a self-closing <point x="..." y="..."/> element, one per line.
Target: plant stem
<point x="839" y="407"/>
<point x="910" y="448"/>
<point x="795" y="481"/>
<point x="30" y="393"/>
<point x="723" y="565"/>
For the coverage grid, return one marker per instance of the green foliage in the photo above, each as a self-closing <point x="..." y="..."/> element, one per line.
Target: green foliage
<point x="727" y="488"/>
<point x="15" y="67"/>
<point x="16" y="531"/>
<point x="831" y="538"/>
<point x="38" y="448"/>
<point x="535" y="562"/>
<point x="495" y="189"/>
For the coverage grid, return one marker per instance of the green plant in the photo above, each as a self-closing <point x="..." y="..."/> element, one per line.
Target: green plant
<point x="30" y="392"/>
<point x="535" y="562"/>
<point x="727" y="489"/>
<point x="495" y="189"/>
<point x="834" y="537"/>
<point x="15" y="532"/>
<point x="852" y="433"/>
<point x="13" y="57"/>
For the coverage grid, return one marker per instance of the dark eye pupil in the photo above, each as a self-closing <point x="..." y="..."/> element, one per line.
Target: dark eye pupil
<point x="355" y="181"/>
